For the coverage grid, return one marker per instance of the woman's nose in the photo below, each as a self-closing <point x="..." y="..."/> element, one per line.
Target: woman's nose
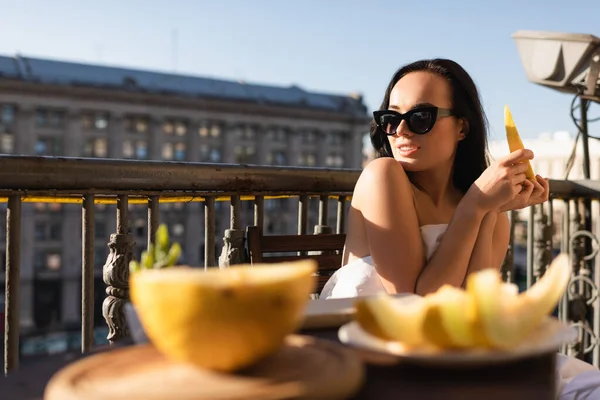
<point x="403" y="130"/>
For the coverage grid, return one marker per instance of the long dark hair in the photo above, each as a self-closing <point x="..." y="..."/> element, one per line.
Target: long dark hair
<point x="471" y="155"/>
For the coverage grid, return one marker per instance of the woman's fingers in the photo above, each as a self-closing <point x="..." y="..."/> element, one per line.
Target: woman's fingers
<point x="516" y="156"/>
<point x="519" y="178"/>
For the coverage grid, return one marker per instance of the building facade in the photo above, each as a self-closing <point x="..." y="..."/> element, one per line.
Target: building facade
<point x="54" y="108"/>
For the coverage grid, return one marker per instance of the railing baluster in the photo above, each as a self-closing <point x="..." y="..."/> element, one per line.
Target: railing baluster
<point x="116" y="273"/>
<point x="87" y="272"/>
<point x="508" y="266"/>
<point x="234" y="213"/>
<point x="323" y="226"/>
<point x="13" y="265"/>
<point x="152" y="219"/>
<point x="259" y="212"/>
<point x="341" y="215"/>
<point x="209" y="232"/>
<point x="233" y="251"/>
<point x="303" y="204"/>
<point x="563" y="311"/>
<point x="595" y="305"/>
<point x="530" y="243"/>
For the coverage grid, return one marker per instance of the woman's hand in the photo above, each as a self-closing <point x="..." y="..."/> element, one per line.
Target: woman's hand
<point x="501" y="182"/>
<point x="533" y="192"/>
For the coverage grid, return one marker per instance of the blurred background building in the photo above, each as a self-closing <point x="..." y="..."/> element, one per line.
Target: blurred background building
<point x="54" y="108"/>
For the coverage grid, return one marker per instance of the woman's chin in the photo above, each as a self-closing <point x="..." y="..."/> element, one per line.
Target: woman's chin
<point x="409" y="164"/>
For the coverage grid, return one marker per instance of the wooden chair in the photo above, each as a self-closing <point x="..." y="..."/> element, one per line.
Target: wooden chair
<point x="325" y="248"/>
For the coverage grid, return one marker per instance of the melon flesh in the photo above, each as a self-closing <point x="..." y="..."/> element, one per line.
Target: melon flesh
<point x="507" y="320"/>
<point x="489" y="314"/>
<point x="514" y="139"/>
<point x="222" y="319"/>
<point x="395" y="319"/>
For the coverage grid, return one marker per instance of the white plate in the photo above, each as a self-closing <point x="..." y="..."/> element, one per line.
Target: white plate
<point x="333" y="313"/>
<point x="547" y="338"/>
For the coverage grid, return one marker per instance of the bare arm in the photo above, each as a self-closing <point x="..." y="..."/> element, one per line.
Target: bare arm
<point x="384" y="197"/>
<point x="491" y="245"/>
<point x="449" y="262"/>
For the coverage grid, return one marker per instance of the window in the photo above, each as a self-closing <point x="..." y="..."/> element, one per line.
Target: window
<point x="48" y="146"/>
<point x="136" y="124"/>
<point x="307" y="159"/>
<point x="176" y="127"/>
<point x="7" y="114"/>
<point x="96" y="147"/>
<point x="167" y="151"/>
<point x="244" y="132"/>
<point x="209" y="129"/>
<point x="47" y="260"/>
<point x="335" y="138"/>
<point x="178" y="230"/>
<point x="243" y="154"/>
<point x="277" y="135"/>
<point x="277" y="157"/>
<point x="334" y="160"/>
<point x="53" y="261"/>
<point x="49" y="118"/>
<point x="56" y="231"/>
<point x="7" y="143"/>
<point x="309" y="137"/>
<point x="210" y="153"/>
<point x="97" y="121"/>
<point x="40" y="231"/>
<point x="174" y="151"/>
<point x="135" y="149"/>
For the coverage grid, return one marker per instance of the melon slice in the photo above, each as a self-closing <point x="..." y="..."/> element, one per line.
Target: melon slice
<point x="450" y="319"/>
<point x="394" y="319"/>
<point x="222" y="319"/>
<point x="506" y="318"/>
<point x="514" y="139"/>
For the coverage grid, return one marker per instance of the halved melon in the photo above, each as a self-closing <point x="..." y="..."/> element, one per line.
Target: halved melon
<point x="222" y="319"/>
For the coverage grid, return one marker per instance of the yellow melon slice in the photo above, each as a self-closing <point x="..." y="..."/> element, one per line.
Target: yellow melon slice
<point x="395" y="319"/>
<point x="514" y="140"/>
<point x="506" y="318"/>
<point x="222" y="319"/>
<point x="450" y="319"/>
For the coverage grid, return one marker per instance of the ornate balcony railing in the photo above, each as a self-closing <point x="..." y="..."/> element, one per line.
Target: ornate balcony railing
<point x="90" y="182"/>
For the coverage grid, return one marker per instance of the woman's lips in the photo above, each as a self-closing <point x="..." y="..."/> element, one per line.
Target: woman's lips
<point x="407" y="149"/>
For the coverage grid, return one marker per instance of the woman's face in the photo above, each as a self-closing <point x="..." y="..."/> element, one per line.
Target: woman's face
<point x="437" y="147"/>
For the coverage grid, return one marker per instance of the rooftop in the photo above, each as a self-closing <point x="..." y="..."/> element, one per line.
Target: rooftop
<point x="78" y="74"/>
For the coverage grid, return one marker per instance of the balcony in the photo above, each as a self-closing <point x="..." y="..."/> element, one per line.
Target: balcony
<point x="256" y="195"/>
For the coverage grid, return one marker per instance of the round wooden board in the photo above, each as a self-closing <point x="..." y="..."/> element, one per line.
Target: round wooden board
<point x="305" y="367"/>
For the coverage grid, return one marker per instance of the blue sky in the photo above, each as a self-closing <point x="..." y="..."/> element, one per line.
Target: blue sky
<point x="323" y="45"/>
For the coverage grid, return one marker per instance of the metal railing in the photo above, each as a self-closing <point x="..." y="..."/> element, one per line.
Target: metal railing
<point x="89" y="182"/>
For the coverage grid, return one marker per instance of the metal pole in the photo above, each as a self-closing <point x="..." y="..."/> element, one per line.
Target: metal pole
<point x="587" y="203"/>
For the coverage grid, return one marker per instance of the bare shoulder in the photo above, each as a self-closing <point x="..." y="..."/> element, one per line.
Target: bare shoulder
<point x="380" y="171"/>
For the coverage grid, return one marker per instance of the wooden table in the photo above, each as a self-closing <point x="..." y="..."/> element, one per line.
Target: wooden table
<point x="526" y="379"/>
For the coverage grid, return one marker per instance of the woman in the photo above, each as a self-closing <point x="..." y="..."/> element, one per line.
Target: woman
<point x="431" y="208"/>
<point x="431" y="177"/>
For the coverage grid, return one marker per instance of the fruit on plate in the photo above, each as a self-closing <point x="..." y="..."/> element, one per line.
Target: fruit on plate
<point x="397" y="319"/>
<point x="514" y="140"/>
<point x="488" y="314"/>
<point x="222" y="319"/>
<point x="506" y="320"/>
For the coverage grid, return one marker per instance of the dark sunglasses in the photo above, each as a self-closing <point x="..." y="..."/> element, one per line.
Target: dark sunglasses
<point x="419" y="120"/>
